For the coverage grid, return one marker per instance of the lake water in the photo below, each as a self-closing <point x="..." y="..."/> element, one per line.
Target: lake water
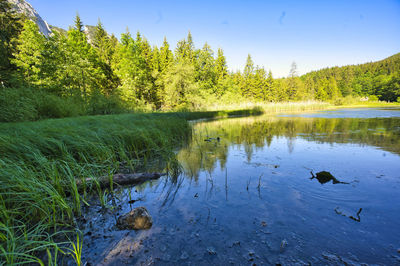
<point x="245" y="196"/>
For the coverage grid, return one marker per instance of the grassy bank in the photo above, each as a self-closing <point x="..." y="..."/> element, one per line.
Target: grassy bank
<point x="41" y="160"/>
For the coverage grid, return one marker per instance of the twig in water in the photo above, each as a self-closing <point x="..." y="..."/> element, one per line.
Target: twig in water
<point x="259" y="181"/>
<point x="248" y="184"/>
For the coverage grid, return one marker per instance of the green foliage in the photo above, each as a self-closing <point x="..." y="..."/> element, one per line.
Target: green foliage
<point x="28" y="57"/>
<point x="17" y="105"/>
<point x="379" y="78"/>
<point x="180" y="87"/>
<point x="10" y="27"/>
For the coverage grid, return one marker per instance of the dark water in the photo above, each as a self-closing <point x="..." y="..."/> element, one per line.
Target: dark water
<point x="248" y="197"/>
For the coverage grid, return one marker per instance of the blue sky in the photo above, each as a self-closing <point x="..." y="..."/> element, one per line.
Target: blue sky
<point x="314" y="34"/>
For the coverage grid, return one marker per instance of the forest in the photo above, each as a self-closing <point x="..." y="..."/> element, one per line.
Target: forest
<point x="70" y="74"/>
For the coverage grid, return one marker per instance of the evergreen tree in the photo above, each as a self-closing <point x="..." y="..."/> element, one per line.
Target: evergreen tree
<point x="180" y="87"/>
<point x="221" y="71"/>
<point x="131" y="68"/>
<point x="28" y="56"/>
<point x="293" y="70"/>
<point x="205" y="69"/>
<point x="249" y="68"/>
<point x="166" y="56"/>
<point x="185" y="50"/>
<point x="269" y="88"/>
<point x="220" y="65"/>
<point x="11" y="25"/>
<point x="78" y="23"/>
<point x="105" y="50"/>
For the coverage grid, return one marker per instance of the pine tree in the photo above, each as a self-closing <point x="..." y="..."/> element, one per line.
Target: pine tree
<point x="28" y="56"/>
<point x="205" y="69"/>
<point x="180" y="87"/>
<point x="185" y="50"/>
<point x="293" y="70"/>
<point x="269" y="88"/>
<point x="11" y="25"/>
<point x="249" y="68"/>
<point x="105" y="50"/>
<point x="220" y="65"/>
<point x="78" y="23"/>
<point x="166" y="56"/>
<point x="131" y="68"/>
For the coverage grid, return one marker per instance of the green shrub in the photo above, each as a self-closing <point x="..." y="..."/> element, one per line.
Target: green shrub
<point x="373" y="98"/>
<point x="17" y="104"/>
<point x="100" y="104"/>
<point x="53" y="106"/>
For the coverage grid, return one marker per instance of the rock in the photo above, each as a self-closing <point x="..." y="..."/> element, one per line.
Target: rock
<point x="23" y="7"/>
<point x="136" y="219"/>
<point x="324" y="177"/>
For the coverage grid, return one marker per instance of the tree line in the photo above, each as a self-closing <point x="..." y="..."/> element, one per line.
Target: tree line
<point x="76" y="75"/>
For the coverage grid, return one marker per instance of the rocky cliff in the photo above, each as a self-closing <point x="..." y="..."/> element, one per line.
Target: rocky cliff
<point x="22" y="6"/>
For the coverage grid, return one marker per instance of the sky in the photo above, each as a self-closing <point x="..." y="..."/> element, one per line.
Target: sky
<point x="314" y="34"/>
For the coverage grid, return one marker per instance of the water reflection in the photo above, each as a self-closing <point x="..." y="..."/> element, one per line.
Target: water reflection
<point x="255" y="133"/>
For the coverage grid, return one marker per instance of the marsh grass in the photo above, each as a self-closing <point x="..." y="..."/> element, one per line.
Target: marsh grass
<point x="40" y="162"/>
<point x="272" y="108"/>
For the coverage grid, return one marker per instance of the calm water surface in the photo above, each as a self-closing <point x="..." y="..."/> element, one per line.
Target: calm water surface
<point x="247" y="197"/>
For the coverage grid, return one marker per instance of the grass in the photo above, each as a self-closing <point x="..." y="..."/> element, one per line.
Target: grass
<point x="41" y="161"/>
<point x="273" y="108"/>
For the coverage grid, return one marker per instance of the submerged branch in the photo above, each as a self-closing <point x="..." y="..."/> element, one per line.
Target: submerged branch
<point x="122" y="179"/>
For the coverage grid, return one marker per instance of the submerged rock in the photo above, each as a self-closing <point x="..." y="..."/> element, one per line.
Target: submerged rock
<point x="136" y="219"/>
<point x="324" y="177"/>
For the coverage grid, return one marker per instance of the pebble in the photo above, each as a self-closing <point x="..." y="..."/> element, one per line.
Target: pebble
<point x="184" y="255"/>
<point x="263" y="224"/>
<point x="236" y="243"/>
<point x="283" y="244"/>
<point x="211" y="251"/>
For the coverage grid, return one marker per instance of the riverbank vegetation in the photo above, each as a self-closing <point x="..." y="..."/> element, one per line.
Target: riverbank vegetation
<point x="72" y="73"/>
<point x="41" y="162"/>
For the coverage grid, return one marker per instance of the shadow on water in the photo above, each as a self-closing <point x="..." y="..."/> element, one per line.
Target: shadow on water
<point x="243" y="195"/>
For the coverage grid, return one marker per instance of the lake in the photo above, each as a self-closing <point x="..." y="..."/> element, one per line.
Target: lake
<point x="246" y="195"/>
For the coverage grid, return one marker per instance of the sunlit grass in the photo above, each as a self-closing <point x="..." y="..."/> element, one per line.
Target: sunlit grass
<point x="273" y="107"/>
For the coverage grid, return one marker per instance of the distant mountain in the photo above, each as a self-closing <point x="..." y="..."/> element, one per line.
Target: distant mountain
<point x="22" y="6"/>
<point x="90" y="31"/>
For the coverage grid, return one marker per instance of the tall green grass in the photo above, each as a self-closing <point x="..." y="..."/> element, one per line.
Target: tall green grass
<point x="40" y="162"/>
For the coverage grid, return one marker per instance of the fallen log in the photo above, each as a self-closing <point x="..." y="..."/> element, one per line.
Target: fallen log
<point x="122" y="179"/>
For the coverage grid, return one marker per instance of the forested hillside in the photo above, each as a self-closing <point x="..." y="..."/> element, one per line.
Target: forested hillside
<point x="66" y="75"/>
<point x="380" y="78"/>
